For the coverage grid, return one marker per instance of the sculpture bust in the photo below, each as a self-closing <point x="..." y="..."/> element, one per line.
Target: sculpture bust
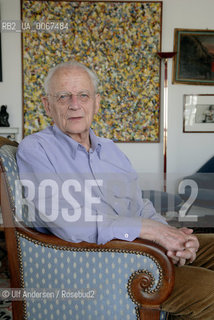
<point x="4" y="117"/>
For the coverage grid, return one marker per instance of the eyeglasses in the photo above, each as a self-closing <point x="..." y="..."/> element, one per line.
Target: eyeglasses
<point x="65" y="98"/>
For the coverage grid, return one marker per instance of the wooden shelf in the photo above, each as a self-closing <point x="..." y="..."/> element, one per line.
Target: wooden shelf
<point x="9" y="132"/>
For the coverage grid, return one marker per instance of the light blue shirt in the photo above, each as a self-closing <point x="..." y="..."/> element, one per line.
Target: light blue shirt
<point x="78" y="195"/>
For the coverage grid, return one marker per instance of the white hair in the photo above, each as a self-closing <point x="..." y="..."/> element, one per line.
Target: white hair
<point x="70" y="65"/>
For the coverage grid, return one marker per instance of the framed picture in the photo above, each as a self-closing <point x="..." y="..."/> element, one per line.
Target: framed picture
<point x="198" y="113"/>
<point x="119" y="40"/>
<point x="194" y="61"/>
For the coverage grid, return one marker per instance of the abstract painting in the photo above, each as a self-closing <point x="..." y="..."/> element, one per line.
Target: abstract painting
<point x="118" y="40"/>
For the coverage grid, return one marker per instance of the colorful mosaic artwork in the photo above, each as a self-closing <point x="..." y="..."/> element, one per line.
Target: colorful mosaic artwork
<point x="119" y="40"/>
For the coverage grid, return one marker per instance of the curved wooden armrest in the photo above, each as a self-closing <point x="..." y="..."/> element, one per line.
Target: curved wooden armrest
<point x="140" y="282"/>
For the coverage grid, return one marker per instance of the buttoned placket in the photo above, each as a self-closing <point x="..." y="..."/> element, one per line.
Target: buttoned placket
<point x="91" y="155"/>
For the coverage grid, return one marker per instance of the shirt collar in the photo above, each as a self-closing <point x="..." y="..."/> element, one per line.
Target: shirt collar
<point x="95" y="142"/>
<point x="74" y="146"/>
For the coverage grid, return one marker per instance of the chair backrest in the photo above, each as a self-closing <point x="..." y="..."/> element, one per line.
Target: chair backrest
<point x="6" y="141"/>
<point x="9" y="167"/>
<point x="80" y="281"/>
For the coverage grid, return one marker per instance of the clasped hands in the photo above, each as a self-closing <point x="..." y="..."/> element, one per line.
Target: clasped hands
<point x="187" y="254"/>
<point x="181" y="244"/>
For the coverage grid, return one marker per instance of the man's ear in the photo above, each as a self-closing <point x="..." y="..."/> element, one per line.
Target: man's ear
<point x="46" y="105"/>
<point x="97" y="103"/>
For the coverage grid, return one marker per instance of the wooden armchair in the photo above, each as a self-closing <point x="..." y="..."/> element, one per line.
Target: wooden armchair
<point x="80" y="281"/>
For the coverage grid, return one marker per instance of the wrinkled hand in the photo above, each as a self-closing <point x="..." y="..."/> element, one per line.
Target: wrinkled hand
<point x="169" y="237"/>
<point x="180" y="244"/>
<point x="182" y="257"/>
<point x="189" y="253"/>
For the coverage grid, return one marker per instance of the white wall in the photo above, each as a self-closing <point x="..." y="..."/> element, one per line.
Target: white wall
<point x="11" y="87"/>
<point x="186" y="152"/>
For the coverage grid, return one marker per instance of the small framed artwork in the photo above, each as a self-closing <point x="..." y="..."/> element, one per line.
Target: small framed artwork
<point x="194" y="61"/>
<point x="198" y="113"/>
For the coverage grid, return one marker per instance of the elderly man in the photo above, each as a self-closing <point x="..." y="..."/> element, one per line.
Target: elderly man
<point x="86" y="190"/>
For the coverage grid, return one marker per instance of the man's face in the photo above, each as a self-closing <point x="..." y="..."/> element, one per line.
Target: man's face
<point x="72" y="101"/>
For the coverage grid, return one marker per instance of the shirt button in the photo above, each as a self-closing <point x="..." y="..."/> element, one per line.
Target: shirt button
<point x="126" y="235"/>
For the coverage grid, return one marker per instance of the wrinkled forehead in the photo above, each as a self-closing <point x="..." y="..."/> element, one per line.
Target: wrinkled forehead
<point x="68" y="79"/>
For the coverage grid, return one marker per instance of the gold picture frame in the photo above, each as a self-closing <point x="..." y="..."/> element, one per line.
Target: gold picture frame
<point x="194" y="61"/>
